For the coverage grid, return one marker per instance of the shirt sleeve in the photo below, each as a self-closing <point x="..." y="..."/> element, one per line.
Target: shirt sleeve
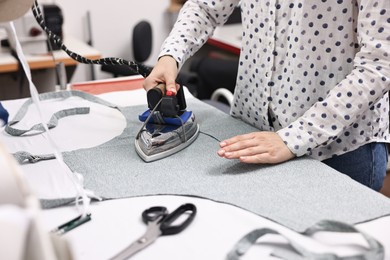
<point x="195" y="24"/>
<point x="367" y="83"/>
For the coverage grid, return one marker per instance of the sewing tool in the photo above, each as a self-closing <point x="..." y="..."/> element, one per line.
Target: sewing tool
<point x="159" y="223"/>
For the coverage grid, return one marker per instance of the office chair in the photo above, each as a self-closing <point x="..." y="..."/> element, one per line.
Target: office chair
<point x="211" y="80"/>
<point x="214" y="73"/>
<point x="235" y="17"/>
<point x="141" y="46"/>
<point x="221" y="94"/>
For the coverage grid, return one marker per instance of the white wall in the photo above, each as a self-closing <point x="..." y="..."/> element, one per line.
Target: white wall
<point x="112" y="23"/>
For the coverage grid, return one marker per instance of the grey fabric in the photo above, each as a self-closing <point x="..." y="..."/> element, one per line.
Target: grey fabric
<point x="53" y="122"/>
<point x="52" y="203"/>
<point x="298" y="252"/>
<point x="22" y="157"/>
<point x="296" y="194"/>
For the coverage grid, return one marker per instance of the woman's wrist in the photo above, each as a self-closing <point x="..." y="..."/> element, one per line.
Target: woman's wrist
<point x="170" y="57"/>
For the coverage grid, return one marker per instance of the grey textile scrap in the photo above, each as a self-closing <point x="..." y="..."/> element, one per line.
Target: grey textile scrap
<point x="296" y="251"/>
<point x="296" y="194"/>
<point x="53" y="203"/>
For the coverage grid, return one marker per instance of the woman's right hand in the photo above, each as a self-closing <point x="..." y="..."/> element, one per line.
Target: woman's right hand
<point x="165" y="71"/>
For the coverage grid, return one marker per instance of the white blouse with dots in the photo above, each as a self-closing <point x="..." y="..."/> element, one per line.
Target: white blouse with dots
<point x="319" y="68"/>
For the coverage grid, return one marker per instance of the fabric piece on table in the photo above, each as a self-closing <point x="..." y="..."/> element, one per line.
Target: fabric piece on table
<point x="374" y="251"/>
<point x="53" y="122"/>
<point x="296" y="194"/>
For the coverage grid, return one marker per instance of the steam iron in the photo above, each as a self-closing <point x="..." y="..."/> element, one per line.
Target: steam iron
<point x="168" y="127"/>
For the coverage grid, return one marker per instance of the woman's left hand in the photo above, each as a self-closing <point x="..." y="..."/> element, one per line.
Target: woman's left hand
<point x="256" y="147"/>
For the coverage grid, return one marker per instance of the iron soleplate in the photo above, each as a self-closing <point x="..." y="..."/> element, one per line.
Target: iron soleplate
<point x="157" y="141"/>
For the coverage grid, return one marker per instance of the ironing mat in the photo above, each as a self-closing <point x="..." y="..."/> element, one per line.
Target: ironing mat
<point x="296" y="194"/>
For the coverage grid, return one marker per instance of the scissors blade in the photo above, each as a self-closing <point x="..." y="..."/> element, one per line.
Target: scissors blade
<point x="151" y="234"/>
<point x="133" y="248"/>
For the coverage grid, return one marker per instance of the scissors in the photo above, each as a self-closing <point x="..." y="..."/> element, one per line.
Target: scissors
<point x="159" y="223"/>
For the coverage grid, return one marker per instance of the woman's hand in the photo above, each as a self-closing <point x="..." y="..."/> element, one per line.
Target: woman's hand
<point x="256" y="147"/>
<point x="165" y="71"/>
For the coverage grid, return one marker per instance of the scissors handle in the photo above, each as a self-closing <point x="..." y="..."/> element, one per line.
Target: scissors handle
<point x="153" y="213"/>
<point x="166" y="226"/>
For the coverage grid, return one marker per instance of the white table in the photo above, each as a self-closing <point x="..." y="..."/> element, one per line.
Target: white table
<point x="116" y="223"/>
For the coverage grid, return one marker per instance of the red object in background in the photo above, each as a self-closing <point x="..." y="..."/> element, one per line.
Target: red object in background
<point x="34" y="31"/>
<point x="111" y="85"/>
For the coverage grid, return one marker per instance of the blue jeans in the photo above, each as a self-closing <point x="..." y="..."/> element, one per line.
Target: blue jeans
<point x="366" y="165"/>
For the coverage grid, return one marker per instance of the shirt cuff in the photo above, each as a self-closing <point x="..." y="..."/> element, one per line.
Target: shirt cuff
<point x="297" y="138"/>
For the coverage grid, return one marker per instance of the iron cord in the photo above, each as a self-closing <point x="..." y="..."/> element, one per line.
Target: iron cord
<point x="134" y="66"/>
<point x="147" y="119"/>
<point x="215" y="138"/>
<point x="184" y="130"/>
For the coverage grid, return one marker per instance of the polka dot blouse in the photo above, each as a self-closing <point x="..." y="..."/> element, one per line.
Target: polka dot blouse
<point x="316" y="71"/>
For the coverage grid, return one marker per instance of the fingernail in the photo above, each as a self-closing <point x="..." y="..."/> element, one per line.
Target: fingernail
<point x="221" y="152"/>
<point x="222" y="144"/>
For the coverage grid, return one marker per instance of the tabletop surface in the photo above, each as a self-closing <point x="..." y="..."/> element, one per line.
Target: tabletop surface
<point x="117" y="223"/>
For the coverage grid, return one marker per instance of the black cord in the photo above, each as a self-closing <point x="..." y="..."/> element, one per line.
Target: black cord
<point x="215" y="138"/>
<point x="134" y="66"/>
